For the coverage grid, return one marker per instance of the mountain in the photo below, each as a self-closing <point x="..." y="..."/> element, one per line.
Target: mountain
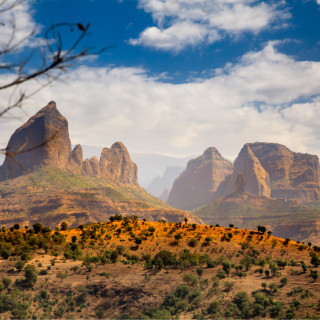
<point x="43" y="180"/>
<point x="272" y="170"/>
<point x="197" y="184"/>
<point x="286" y="218"/>
<point x="151" y="165"/>
<point x="42" y="140"/>
<point x="161" y="183"/>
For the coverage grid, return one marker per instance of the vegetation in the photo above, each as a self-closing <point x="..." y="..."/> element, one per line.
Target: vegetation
<point x="96" y="270"/>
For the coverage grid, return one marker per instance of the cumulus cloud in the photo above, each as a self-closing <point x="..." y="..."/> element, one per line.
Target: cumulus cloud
<point x="182" y="23"/>
<point x="16" y="23"/>
<point x="263" y="97"/>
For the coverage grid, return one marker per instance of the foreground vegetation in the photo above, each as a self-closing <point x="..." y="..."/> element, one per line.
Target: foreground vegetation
<point x="118" y="269"/>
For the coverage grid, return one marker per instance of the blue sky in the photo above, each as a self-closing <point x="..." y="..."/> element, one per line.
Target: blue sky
<point x="185" y="75"/>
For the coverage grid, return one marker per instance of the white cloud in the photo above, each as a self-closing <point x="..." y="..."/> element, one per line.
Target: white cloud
<point x="182" y="23"/>
<point x="104" y="105"/>
<point x="16" y="23"/>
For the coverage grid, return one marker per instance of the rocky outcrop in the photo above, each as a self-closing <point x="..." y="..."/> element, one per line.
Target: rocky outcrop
<point x="200" y="180"/>
<point x="272" y="170"/>
<point x="116" y="165"/>
<point x="75" y="163"/>
<point x="256" y="179"/>
<point x="42" y="140"/>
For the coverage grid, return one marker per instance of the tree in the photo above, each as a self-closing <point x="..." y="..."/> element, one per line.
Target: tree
<point x="262" y="229"/>
<point x="315" y="259"/>
<point x="30" y="274"/>
<point x="37" y="227"/>
<point x="64" y="226"/>
<point x="19" y="265"/>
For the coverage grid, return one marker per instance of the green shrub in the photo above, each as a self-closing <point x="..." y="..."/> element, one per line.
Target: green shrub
<point x="193" y="242"/>
<point x="221" y="274"/>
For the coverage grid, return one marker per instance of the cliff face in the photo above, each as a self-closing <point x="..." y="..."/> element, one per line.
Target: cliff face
<point x="256" y="179"/>
<point x="272" y="170"/>
<point x="44" y="141"/>
<point x="116" y="165"/>
<point x="196" y="185"/>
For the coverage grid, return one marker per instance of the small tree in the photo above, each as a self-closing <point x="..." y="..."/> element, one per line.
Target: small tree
<point x="30" y="274"/>
<point x="262" y="229"/>
<point x="226" y="266"/>
<point x="64" y="226"/>
<point x="19" y="265"/>
<point x="315" y="260"/>
<point x="62" y="275"/>
<point x="37" y="227"/>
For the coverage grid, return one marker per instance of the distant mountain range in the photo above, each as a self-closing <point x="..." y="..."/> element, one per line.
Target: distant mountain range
<point x="150" y="165"/>
<point x="267" y="184"/>
<point x="44" y="180"/>
<point x="268" y="169"/>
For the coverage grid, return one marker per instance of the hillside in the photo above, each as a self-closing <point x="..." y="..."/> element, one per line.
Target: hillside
<point x="155" y="270"/>
<point x="286" y="218"/>
<point x="50" y="195"/>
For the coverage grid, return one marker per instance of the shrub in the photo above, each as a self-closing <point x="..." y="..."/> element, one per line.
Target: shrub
<point x="193" y="242"/>
<point x="221" y="274"/>
<point x="6" y="282"/>
<point x="19" y="265"/>
<point x="190" y="278"/>
<point x="37" y="227"/>
<point x="30" y="274"/>
<point x="284" y="280"/>
<point x="213" y="307"/>
<point x="64" y="226"/>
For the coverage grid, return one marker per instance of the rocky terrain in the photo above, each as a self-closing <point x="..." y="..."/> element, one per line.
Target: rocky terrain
<point x="198" y="183"/>
<point x="44" y="141"/>
<point x="269" y="170"/>
<point x="43" y="180"/>
<point x="272" y="170"/>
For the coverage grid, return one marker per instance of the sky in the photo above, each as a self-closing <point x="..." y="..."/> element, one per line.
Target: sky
<point x="179" y="76"/>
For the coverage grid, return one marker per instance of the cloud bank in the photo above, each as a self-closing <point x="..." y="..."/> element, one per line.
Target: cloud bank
<point x="266" y="96"/>
<point x="182" y="23"/>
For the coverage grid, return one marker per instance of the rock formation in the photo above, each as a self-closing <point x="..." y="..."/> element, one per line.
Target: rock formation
<point x="42" y="140"/>
<point x="272" y="170"/>
<point x="256" y="178"/>
<point x="116" y="165"/>
<point x="75" y="163"/>
<point x="197" y="184"/>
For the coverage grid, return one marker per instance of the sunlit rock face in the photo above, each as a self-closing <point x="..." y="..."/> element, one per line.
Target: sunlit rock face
<point x="197" y="184"/>
<point x="44" y="141"/>
<point x="272" y="170"/>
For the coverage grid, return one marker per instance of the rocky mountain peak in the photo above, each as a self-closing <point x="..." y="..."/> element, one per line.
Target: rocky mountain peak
<point x="272" y="170"/>
<point x="212" y="153"/>
<point x="42" y="140"/>
<point x="196" y="185"/>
